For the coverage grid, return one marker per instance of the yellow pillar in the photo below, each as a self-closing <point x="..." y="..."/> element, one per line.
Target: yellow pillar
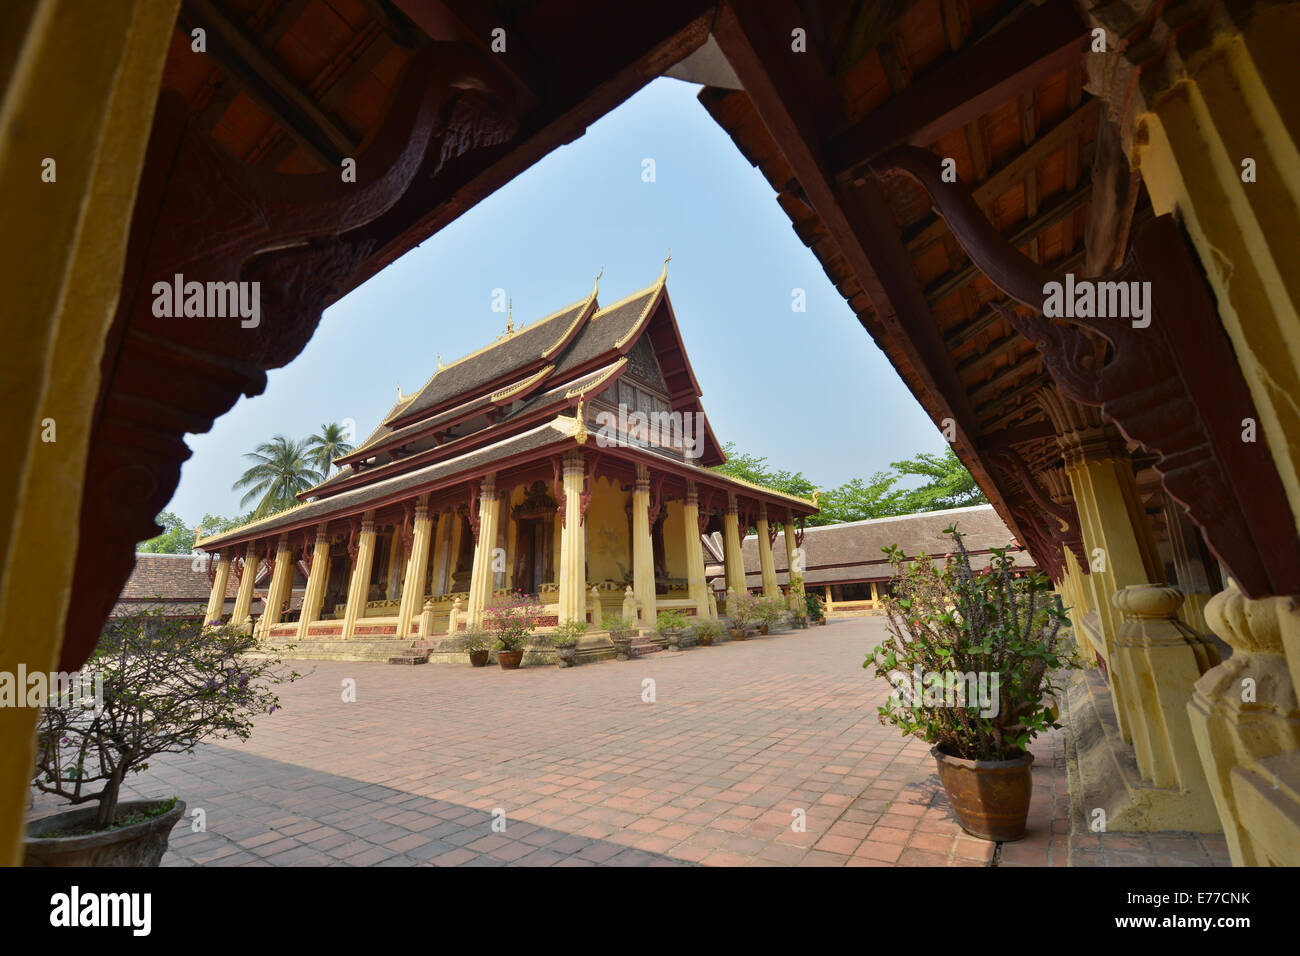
<point x="453" y="549"/>
<point x="573" y="545"/>
<point x="643" y="565"/>
<point x="732" y="557"/>
<point x="359" y="585"/>
<point x="317" y="580"/>
<point x="437" y="580"/>
<point x="875" y="598"/>
<point x="1189" y="566"/>
<point x="1246" y="723"/>
<point x="1219" y="148"/>
<point x="1117" y="540"/>
<point x="697" y="586"/>
<point x="793" y="563"/>
<point x="244" y="598"/>
<point x="481" y="573"/>
<point x="512" y="542"/>
<point x="765" y="562"/>
<point x="80" y="82"/>
<point x="217" y="600"/>
<point x="1158" y="660"/>
<point x="392" y="589"/>
<point x="281" y="583"/>
<point x="413" y="587"/>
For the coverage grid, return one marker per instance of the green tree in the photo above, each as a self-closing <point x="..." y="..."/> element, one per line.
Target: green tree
<point x="949" y="484"/>
<point x="326" y="445"/>
<point x="283" y="468"/>
<point x="175" y="539"/>
<point x="753" y="468"/>
<point x="857" y="500"/>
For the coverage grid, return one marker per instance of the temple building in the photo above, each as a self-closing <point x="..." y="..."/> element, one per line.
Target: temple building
<point x="569" y="460"/>
<point x="948" y="163"/>
<point x="845" y="565"/>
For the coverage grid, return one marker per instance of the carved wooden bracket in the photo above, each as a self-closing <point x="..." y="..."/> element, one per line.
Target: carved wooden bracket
<point x="1173" y="385"/>
<point x="203" y="215"/>
<point x="1067" y="532"/>
<point x="656" y="498"/>
<point x="589" y="487"/>
<point x="212" y="570"/>
<point x="474" y="516"/>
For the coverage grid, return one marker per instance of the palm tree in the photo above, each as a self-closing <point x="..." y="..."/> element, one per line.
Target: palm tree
<point x="283" y="469"/>
<point x="328" y="444"/>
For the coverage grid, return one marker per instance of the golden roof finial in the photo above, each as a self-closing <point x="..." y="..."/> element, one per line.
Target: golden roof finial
<point x="816" y="494"/>
<point x="439" y="354"/>
<point x="399" y="391"/>
<point x="663" y="277"/>
<point x="510" y="317"/>
<point x="581" y="434"/>
<point x="596" y="288"/>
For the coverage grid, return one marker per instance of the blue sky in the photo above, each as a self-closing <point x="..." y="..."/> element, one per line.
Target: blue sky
<point x="542" y="238"/>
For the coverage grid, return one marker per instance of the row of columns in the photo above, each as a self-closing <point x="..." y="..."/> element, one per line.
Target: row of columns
<point x="573" y="596"/>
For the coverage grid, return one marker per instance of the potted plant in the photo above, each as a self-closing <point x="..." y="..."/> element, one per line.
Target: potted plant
<point x="671" y="624"/>
<point x="768" y="611"/>
<point x="799" y="618"/>
<point x="813" y="604"/>
<point x="151" y="686"/>
<point x="621" y="631"/>
<point x="512" y="621"/>
<point x="565" y="638"/>
<point x="475" y="643"/>
<point x="706" y="632"/>
<point x="742" y="611"/>
<point x="972" y="655"/>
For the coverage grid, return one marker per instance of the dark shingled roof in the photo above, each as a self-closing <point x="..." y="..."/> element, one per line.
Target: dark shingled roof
<point x="851" y="551"/>
<point x="171" y="577"/>
<point x="500" y="358"/>
<point x="606" y="328"/>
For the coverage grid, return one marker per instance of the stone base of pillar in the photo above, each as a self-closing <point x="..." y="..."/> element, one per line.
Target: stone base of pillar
<point x="1105" y="782"/>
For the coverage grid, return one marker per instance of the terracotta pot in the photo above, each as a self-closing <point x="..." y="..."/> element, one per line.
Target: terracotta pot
<point x="739" y="635"/>
<point x="140" y="844"/>
<point x="705" y="641"/>
<point x="509" y="660"/>
<point x="821" y="621"/>
<point x="479" y="658"/>
<point x="990" y="797"/>
<point x="763" y="629"/>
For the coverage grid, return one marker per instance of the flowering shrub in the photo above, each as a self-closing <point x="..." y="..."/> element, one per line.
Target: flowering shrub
<point x="568" y="634"/>
<point x="769" y="610"/>
<point x="971" y="653"/>
<point x="166" y="686"/>
<point x="512" y="620"/>
<point x="742" y="610"/>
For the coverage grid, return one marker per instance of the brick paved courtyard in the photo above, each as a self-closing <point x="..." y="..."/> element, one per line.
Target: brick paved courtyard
<point x="739" y="736"/>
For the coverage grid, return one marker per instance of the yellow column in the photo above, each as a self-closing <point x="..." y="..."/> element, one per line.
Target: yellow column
<point x="244" y="599"/>
<point x="1116" y="538"/>
<point x="1159" y="659"/>
<point x="393" y="588"/>
<point x="573" y="545"/>
<point x="643" y="566"/>
<point x="793" y="563"/>
<point x="316" y="581"/>
<point x="732" y="557"/>
<point x="1246" y="723"/>
<point x="1188" y="566"/>
<point x="512" y="542"/>
<point x="1220" y="150"/>
<point x="442" y="549"/>
<point x="481" y="574"/>
<point x="765" y="561"/>
<point x="217" y="600"/>
<point x="281" y="583"/>
<point x="413" y="587"/>
<point x="453" y="549"/>
<point x="80" y="82"/>
<point x="696" y="584"/>
<point x="875" y="598"/>
<point x="359" y="585"/>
